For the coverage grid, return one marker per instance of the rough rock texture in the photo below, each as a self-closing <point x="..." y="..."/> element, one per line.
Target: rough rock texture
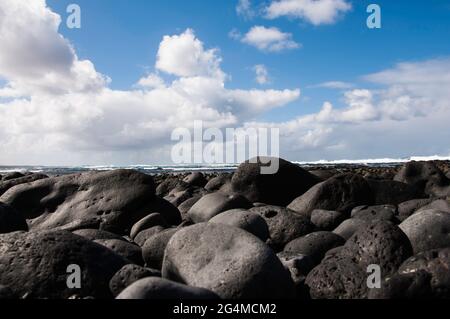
<point x="154" y="247"/>
<point x="36" y="264"/>
<point x="249" y="221"/>
<point x="213" y="204"/>
<point x="11" y="220"/>
<point x="119" y="198"/>
<point x="129" y="274"/>
<point x="387" y="192"/>
<point x="380" y="243"/>
<point x="349" y="227"/>
<point x="162" y="289"/>
<point x="284" y="225"/>
<point x="238" y="265"/>
<point x="426" y="176"/>
<point x="341" y="193"/>
<point x="427" y="230"/>
<point x="280" y="188"/>
<point x="94" y="234"/>
<point x="129" y="251"/>
<point x="327" y="219"/>
<point x="370" y="213"/>
<point x="408" y="208"/>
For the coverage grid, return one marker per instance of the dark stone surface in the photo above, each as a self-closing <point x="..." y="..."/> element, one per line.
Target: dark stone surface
<point x="129" y="274"/>
<point x="249" y="221"/>
<point x="281" y="188"/>
<point x="11" y="220"/>
<point x="35" y="264"/>
<point x="284" y="225"/>
<point x="154" y="247"/>
<point x="228" y="261"/>
<point x="163" y="289"/>
<point x="341" y="193"/>
<point x="429" y="229"/>
<point x="327" y="219"/>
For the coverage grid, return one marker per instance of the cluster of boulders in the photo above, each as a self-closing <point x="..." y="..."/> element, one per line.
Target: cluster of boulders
<point x="242" y="235"/>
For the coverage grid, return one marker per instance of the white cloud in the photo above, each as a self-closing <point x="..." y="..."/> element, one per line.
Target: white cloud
<point x="151" y="81"/>
<point x="269" y="39"/>
<point x="70" y="116"/>
<point x="338" y="85"/>
<point x="407" y="116"/>
<point x="184" y="55"/>
<point x="35" y="58"/>
<point x="244" y="9"/>
<point x="261" y="74"/>
<point x="316" y="12"/>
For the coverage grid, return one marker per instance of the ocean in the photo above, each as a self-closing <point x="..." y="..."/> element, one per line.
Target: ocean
<point x="160" y="169"/>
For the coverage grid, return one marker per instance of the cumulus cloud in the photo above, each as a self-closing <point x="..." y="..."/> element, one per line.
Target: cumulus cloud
<point x="316" y="12"/>
<point x="406" y="116"/>
<point x="35" y="58"/>
<point x="269" y="39"/>
<point x="261" y="74"/>
<point x="184" y="55"/>
<point x="56" y="109"/>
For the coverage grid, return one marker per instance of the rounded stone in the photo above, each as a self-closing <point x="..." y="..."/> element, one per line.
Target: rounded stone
<point x="284" y="225"/>
<point x="35" y="264"/>
<point x="379" y="243"/>
<point x="147" y="222"/>
<point x="251" y="222"/>
<point x="427" y="230"/>
<point x="314" y="245"/>
<point x="280" y="188"/>
<point x="327" y="219"/>
<point x="349" y="227"/>
<point x="142" y="236"/>
<point x="213" y="204"/>
<point x="154" y="247"/>
<point x="129" y="274"/>
<point x="131" y="252"/>
<point x="162" y="289"/>
<point x="228" y="261"/>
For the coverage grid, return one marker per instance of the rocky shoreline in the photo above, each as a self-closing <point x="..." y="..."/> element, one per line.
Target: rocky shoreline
<point x="300" y="233"/>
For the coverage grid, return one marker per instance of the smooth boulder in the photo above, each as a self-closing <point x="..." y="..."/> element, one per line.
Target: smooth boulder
<point x="249" y="221"/>
<point x="229" y="261"/>
<point x="340" y="193"/>
<point x="129" y="274"/>
<point x="427" y="230"/>
<point x="213" y="204"/>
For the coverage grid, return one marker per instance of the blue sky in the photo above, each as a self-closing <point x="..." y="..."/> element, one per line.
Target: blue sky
<point x="334" y="87"/>
<point x="122" y="38"/>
